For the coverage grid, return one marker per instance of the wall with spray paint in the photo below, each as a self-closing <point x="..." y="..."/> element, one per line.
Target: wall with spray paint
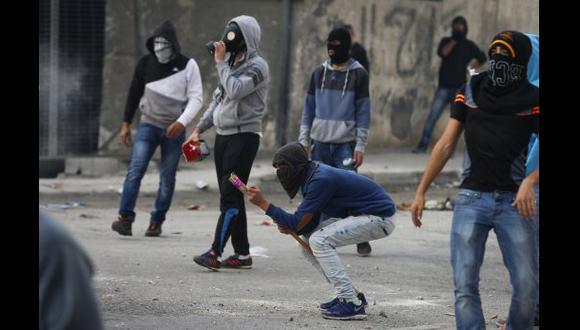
<point x="400" y="36"/>
<point x="401" y="39"/>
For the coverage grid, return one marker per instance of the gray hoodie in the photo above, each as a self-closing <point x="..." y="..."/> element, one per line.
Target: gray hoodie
<point x="239" y="102"/>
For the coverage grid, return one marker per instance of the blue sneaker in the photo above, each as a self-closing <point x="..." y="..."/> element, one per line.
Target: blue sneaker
<point x="343" y="310"/>
<point x="331" y="303"/>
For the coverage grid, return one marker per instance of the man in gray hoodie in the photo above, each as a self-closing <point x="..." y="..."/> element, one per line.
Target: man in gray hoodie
<point x="236" y="110"/>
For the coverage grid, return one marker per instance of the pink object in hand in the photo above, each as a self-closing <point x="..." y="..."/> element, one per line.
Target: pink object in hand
<point x="238" y="183"/>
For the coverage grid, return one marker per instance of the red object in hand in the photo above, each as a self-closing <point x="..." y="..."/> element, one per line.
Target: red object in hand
<point x="195" y="150"/>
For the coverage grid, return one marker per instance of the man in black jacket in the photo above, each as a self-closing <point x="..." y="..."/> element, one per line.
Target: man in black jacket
<point x="456" y="53"/>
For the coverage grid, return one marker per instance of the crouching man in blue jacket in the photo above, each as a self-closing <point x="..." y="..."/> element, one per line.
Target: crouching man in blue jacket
<point x="339" y="208"/>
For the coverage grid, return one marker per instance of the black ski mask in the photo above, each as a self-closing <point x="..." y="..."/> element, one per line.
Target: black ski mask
<point x="510" y="68"/>
<point x="459" y="34"/>
<point x="338" y="45"/>
<point x="291" y="162"/>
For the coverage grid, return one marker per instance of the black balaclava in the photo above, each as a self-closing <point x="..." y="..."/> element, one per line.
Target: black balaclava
<point x="339" y="53"/>
<point x="508" y="71"/>
<point x="459" y="34"/>
<point x="292" y="163"/>
<point x="234" y="40"/>
<point x="505" y="87"/>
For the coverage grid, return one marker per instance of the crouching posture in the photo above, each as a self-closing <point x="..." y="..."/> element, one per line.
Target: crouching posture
<point x="339" y="208"/>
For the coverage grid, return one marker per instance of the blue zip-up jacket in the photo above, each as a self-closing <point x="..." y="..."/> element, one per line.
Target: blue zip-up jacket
<point x="336" y="193"/>
<point x="337" y="106"/>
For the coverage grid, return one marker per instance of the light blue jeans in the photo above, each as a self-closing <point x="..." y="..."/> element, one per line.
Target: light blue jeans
<point x="476" y="213"/>
<point x="336" y="232"/>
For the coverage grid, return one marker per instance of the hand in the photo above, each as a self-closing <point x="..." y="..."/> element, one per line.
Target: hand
<point x="125" y="134"/>
<point x="174" y="130"/>
<point x="193" y="137"/>
<point x="257" y="198"/>
<point x="417" y="210"/>
<point x="525" y="200"/>
<point x="219" y="51"/>
<point x="358" y="159"/>
<point x="283" y="230"/>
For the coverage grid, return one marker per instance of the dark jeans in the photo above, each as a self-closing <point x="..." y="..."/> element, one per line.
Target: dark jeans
<point x="148" y="138"/>
<point x="233" y="153"/>
<point x="443" y="97"/>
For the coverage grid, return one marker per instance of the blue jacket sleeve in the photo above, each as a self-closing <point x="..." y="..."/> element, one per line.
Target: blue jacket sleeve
<point x="314" y="201"/>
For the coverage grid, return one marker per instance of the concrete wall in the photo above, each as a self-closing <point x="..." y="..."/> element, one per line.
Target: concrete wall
<point x="400" y="38"/>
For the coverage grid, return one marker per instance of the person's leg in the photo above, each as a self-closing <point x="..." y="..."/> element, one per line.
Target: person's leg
<point x="210" y="259"/>
<point x="170" y="156"/>
<point x="146" y="141"/>
<point x="351" y="230"/>
<point x="243" y="166"/>
<point x="469" y="230"/>
<point x="517" y="240"/>
<point x="440" y="101"/>
<point x="238" y="156"/>
<point x="320" y="152"/>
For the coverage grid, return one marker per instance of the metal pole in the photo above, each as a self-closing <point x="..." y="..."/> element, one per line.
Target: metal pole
<point x="54" y="80"/>
<point x="282" y="109"/>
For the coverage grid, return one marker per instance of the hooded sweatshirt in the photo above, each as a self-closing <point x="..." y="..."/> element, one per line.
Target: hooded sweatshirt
<point x="336" y="193"/>
<point x="452" y="73"/>
<point x="165" y="92"/>
<point x="239" y="102"/>
<point x="337" y="106"/>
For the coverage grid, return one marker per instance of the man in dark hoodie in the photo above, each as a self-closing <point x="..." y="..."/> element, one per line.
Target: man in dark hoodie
<point x="358" y="210"/>
<point x="337" y="112"/>
<point x="499" y="112"/>
<point x="357" y="51"/>
<point x="167" y="89"/>
<point x="237" y="109"/>
<point x="456" y="53"/>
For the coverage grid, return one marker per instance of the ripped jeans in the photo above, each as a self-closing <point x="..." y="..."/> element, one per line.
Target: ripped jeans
<point x="336" y="232"/>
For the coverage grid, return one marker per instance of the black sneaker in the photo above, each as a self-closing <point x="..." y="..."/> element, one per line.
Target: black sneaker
<point x="363" y="249"/>
<point x="122" y="226"/>
<point x="208" y="260"/>
<point x="235" y="262"/>
<point x="154" y="229"/>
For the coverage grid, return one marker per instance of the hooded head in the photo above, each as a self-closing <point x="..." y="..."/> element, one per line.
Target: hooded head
<point x="338" y="45"/>
<point x="291" y="163"/>
<point x="459" y="28"/>
<point x="509" y="54"/>
<point x="163" y="43"/>
<point x="251" y="31"/>
<point x="511" y="84"/>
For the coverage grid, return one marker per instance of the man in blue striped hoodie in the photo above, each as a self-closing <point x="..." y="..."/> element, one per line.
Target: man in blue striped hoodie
<point x="337" y="113"/>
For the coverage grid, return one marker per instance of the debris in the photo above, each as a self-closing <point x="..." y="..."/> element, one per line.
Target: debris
<point x="183" y="254"/>
<point x="54" y="185"/>
<point x="449" y="314"/>
<point x="377" y="268"/>
<point x="157" y="277"/>
<point x="155" y="299"/>
<point x="431" y="204"/>
<point x="201" y="185"/>
<point x="264" y="223"/>
<point x="193" y="207"/>
<point x="180" y="281"/>
<point x="291" y="319"/>
<point x="221" y="305"/>
<point x="258" y="251"/>
<point x="88" y="216"/>
<point x="150" y="282"/>
<point x="374" y="302"/>
<point x="404" y="206"/>
<point x="176" y="233"/>
<point x="383" y="314"/>
<point x="65" y="206"/>
<point x="494" y="317"/>
<point x="420" y="298"/>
